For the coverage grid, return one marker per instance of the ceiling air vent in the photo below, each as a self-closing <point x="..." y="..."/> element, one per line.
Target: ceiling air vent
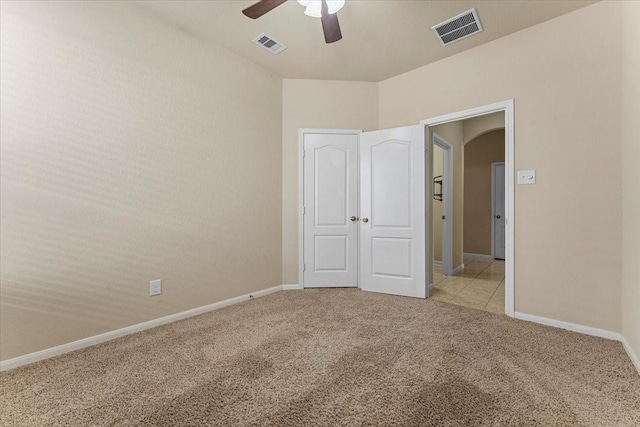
<point x="458" y="27"/>
<point x="268" y="43"/>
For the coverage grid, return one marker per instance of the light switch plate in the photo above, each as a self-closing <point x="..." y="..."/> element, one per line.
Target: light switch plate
<point x="155" y="287"/>
<point x="527" y="177"/>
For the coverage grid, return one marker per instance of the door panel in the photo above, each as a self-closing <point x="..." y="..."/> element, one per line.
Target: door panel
<point x="331" y="177"/>
<point x="391" y="257"/>
<point x="392" y="206"/>
<point x="330" y="192"/>
<point x="499" y="224"/>
<point x="390" y="192"/>
<point x="331" y="253"/>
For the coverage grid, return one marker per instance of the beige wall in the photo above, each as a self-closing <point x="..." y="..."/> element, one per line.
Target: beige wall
<point x="315" y="104"/>
<point x="479" y="153"/>
<point x="476" y="126"/>
<point x="452" y="132"/>
<point x="130" y="152"/>
<point x="631" y="175"/>
<point x="564" y="78"/>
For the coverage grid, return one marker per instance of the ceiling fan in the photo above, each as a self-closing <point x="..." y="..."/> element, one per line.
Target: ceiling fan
<point x="327" y="14"/>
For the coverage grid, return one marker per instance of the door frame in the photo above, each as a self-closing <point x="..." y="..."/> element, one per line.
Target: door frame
<point x="301" y="133"/>
<point x="508" y="108"/>
<point x="447" y="203"/>
<point x="493" y="206"/>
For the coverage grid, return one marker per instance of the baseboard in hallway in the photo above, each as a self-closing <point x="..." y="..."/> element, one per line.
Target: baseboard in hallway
<point x="457" y="270"/>
<point x="479" y="256"/>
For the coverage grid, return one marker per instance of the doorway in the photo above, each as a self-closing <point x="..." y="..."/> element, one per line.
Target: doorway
<point x="406" y="161"/>
<point x="507" y="107"/>
<point x="442" y="203"/>
<point x="477" y="282"/>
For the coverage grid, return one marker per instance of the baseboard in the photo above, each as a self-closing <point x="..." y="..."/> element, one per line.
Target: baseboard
<point x="458" y="269"/>
<point x="481" y="256"/>
<point x="107" y="336"/>
<point x="632" y="355"/>
<point x="587" y="330"/>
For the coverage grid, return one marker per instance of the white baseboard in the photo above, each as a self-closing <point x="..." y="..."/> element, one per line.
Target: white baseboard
<point x="587" y="330"/>
<point x="107" y="336"/>
<point x="458" y="269"/>
<point x="634" y="357"/>
<point x="481" y="256"/>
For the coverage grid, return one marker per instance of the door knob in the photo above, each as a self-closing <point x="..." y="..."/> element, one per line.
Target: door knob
<point x="365" y="219"/>
<point x="498" y="216"/>
<point x="354" y="218"/>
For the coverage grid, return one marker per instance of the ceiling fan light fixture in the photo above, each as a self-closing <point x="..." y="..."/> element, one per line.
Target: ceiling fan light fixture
<point x="314" y="7"/>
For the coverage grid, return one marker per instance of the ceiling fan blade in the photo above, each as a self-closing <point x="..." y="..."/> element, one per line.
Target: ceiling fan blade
<point x="330" y="25"/>
<point x="256" y="10"/>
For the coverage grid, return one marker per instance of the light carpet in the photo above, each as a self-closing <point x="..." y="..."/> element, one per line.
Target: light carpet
<point x="333" y="357"/>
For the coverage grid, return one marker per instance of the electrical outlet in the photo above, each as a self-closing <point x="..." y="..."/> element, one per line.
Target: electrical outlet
<point x="155" y="287"/>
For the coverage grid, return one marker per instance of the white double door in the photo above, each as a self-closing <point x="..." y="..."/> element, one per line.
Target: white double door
<point x="364" y="212"/>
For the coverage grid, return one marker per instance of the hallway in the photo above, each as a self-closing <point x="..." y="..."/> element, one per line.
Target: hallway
<point x="480" y="285"/>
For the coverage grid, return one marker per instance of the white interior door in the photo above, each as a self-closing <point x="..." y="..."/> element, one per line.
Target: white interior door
<point x="392" y="210"/>
<point x="330" y="209"/>
<point x="498" y="226"/>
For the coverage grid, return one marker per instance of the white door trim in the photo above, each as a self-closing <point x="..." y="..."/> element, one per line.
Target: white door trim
<point x="493" y="209"/>
<point x="508" y="108"/>
<point x="301" y="133"/>
<point x="447" y="199"/>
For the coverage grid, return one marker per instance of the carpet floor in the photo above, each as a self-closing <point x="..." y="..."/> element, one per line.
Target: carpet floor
<point x="332" y="357"/>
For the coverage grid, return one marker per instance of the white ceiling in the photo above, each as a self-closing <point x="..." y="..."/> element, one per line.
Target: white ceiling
<point x="381" y="38"/>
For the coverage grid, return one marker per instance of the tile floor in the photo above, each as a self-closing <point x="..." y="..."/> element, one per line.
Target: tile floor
<point x="480" y="285"/>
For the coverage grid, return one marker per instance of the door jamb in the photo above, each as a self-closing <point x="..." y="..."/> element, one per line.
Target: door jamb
<point x="301" y="133"/>
<point x="447" y="196"/>
<point x="493" y="207"/>
<point x="508" y="108"/>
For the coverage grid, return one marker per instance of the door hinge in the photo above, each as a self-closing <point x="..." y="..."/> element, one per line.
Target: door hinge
<point x="304" y="210"/>
<point x="304" y="267"/>
<point x="304" y="153"/>
<point x="443" y="217"/>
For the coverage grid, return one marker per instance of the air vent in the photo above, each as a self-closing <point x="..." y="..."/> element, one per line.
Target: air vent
<point x="268" y="43"/>
<point x="458" y="27"/>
